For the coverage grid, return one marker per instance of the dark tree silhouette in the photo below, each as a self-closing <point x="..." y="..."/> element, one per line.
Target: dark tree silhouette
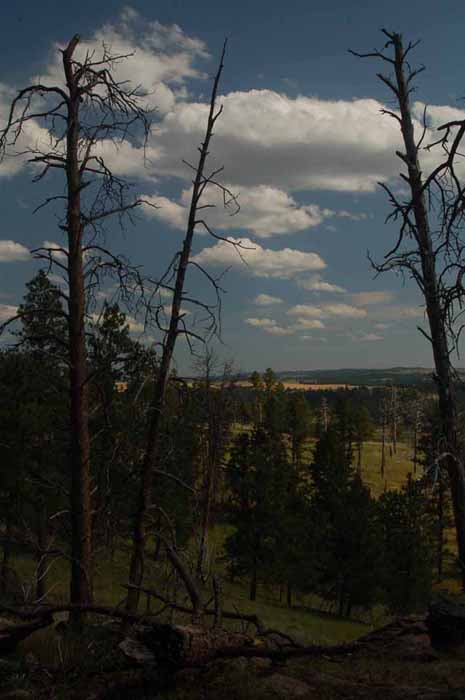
<point x="430" y="249"/>
<point x="90" y="109"/>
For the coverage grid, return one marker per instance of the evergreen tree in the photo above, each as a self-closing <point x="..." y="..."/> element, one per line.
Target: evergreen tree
<point x="257" y="476"/>
<point x="407" y="546"/>
<point x="345" y="427"/>
<point x="345" y="547"/>
<point x="363" y="430"/>
<point x="298" y="425"/>
<point x="43" y="320"/>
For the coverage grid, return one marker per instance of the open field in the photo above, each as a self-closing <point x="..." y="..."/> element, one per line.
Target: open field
<point x="304" y="386"/>
<point x="398" y="465"/>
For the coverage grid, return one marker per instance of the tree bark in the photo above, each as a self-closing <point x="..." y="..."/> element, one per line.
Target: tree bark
<point x="434" y="309"/>
<point x="136" y="569"/>
<point x="416" y="431"/>
<point x="81" y="537"/>
<point x="394" y="418"/>
<point x="383" y="439"/>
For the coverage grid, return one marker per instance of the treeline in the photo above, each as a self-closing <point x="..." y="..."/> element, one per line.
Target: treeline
<point x="283" y="477"/>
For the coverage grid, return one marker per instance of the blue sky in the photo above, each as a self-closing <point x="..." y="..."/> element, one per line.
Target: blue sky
<point x="302" y="142"/>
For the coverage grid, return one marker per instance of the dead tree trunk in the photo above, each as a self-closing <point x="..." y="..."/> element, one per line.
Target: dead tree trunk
<point x="81" y="538"/>
<point x="416" y="433"/>
<point x="423" y="263"/>
<point x="434" y="307"/>
<point x="394" y="418"/>
<point x="173" y="647"/>
<point x="93" y="107"/>
<point x="136" y="569"/>
<point x="383" y="437"/>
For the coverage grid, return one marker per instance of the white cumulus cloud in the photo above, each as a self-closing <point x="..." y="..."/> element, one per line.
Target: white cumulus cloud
<point x="367" y="338"/>
<point x="369" y="298"/>
<point x="266" y="138"/>
<point x="306" y="324"/>
<point x="326" y="310"/>
<point x="10" y="251"/>
<point x="316" y="284"/>
<point x="285" y="263"/>
<point x="269" y="325"/>
<point x="263" y="210"/>
<point x="266" y="300"/>
<point x="160" y="57"/>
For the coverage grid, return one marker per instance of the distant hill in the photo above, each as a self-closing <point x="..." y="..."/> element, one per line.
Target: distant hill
<point x="401" y="376"/>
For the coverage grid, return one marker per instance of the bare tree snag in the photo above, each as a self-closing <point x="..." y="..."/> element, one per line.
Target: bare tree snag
<point x="432" y="254"/>
<point x="394" y="417"/>
<point x="383" y="435"/>
<point x="176" y="327"/>
<point x="92" y="108"/>
<point x="81" y="542"/>
<point x="416" y="435"/>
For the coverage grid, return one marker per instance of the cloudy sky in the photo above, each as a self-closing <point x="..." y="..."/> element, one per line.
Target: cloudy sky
<point x="303" y="145"/>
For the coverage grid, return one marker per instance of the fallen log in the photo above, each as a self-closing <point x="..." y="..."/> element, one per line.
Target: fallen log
<point x="173" y="647"/>
<point x="177" y="646"/>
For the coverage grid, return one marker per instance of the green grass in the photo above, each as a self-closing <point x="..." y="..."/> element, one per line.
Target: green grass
<point x="398" y="465"/>
<point x="301" y="621"/>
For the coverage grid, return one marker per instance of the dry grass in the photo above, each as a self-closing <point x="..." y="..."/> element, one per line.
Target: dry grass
<point x="304" y="386"/>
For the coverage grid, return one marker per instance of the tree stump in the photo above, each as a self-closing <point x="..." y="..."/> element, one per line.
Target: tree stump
<point x="446" y="624"/>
